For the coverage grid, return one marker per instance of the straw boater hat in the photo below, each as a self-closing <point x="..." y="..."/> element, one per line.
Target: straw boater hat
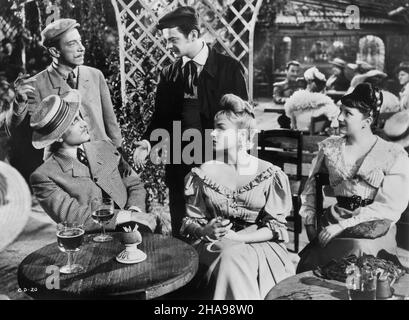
<point x="15" y="204"/>
<point x="53" y="117"/>
<point x="361" y="66"/>
<point x="338" y="62"/>
<point x="397" y="128"/>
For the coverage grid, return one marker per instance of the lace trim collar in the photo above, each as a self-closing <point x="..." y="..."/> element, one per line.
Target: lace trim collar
<point x="262" y="176"/>
<point x="379" y="159"/>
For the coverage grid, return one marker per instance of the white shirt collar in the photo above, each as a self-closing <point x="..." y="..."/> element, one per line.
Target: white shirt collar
<point x="200" y="58"/>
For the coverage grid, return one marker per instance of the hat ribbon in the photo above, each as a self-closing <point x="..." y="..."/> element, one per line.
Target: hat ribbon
<point x="55" y="121"/>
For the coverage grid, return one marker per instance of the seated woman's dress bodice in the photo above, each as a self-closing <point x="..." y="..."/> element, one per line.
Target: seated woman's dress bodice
<point x="265" y="201"/>
<point x="382" y="176"/>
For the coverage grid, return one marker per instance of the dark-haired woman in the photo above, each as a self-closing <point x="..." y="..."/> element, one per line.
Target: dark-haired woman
<point x="369" y="177"/>
<point x="235" y="212"/>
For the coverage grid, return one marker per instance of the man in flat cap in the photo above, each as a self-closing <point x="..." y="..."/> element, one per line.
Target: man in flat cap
<point x="63" y="42"/>
<point x="188" y="93"/>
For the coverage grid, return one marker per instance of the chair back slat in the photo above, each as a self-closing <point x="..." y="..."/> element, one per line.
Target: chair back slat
<point x="321" y="180"/>
<point x="281" y="146"/>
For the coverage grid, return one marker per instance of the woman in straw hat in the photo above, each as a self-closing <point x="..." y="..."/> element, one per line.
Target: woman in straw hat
<point x="78" y="171"/>
<point x="370" y="179"/>
<point x="338" y="81"/>
<point x="235" y="212"/>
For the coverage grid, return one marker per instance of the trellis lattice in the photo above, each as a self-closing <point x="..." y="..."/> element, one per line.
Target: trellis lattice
<point x="226" y="24"/>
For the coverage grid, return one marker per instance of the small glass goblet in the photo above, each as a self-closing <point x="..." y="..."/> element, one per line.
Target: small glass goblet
<point x="102" y="213"/>
<point x="70" y="237"/>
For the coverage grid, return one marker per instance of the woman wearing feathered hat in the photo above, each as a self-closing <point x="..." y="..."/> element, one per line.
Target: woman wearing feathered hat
<point x="79" y="172"/>
<point x="377" y="78"/>
<point x="370" y="179"/>
<point x="311" y="102"/>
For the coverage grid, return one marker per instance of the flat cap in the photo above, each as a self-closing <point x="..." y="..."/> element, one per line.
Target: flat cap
<point x="178" y="17"/>
<point x="55" y="29"/>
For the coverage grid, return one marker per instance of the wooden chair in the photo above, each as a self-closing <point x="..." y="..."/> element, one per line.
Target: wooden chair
<point x="319" y="124"/>
<point x="280" y="147"/>
<point x="321" y="180"/>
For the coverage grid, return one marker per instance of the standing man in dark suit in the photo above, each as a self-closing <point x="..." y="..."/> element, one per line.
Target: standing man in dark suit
<point x="188" y="94"/>
<point x="63" y="42"/>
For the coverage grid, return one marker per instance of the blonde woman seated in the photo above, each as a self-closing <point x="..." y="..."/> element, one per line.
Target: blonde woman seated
<point x="311" y="102"/>
<point x="370" y="179"/>
<point x="236" y="208"/>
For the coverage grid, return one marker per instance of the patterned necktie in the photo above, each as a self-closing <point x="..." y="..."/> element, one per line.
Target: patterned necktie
<point x="71" y="80"/>
<point x="82" y="157"/>
<point x="189" y="77"/>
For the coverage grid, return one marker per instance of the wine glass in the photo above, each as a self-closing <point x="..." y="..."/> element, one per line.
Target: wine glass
<point x="70" y="237"/>
<point x="102" y="213"/>
<point x="224" y="214"/>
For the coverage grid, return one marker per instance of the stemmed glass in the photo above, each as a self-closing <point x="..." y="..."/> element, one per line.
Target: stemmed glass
<point x="102" y="213"/>
<point x="70" y="237"/>
<point x="222" y="217"/>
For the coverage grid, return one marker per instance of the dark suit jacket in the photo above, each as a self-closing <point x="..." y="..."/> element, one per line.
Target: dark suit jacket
<point x="221" y="74"/>
<point x="65" y="187"/>
<point x="96" y="109"/>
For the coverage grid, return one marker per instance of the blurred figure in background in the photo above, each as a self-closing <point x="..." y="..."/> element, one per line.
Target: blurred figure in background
<point x="359" y="68"/>
<point x="403" y="77"/>
<point x="284" y="89"/>
<point x="311" y="102"/>
<point x="15" y="206"/>
<point x="337" y="81"/>
<point x="10" y="60"/>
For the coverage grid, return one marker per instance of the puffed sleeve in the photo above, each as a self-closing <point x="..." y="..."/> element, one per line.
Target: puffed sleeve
<point x="278" y="206"/>
<point x="391" y="199"/>
<point x="195" y="216"/>
<point x="307" y="210"/>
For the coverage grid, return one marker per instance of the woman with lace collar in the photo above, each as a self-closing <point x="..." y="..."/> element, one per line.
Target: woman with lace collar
<point x="236" y="207"/>
<point x="369" y="177"/>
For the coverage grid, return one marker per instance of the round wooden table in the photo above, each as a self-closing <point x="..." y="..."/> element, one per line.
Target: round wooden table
<point x="170" y="264"/>
<point x="308" y="286"/>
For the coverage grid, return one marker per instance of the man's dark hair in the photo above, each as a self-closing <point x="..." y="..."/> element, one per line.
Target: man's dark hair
<point x="54" y="43"/>
<point x="292" y="63"/>
<point x="187" y="28"/>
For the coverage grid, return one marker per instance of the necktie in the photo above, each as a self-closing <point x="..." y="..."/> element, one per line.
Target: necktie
<point x="189" y="77"/>
<point x="82" y="157"/>
<point x="71" y="80"/>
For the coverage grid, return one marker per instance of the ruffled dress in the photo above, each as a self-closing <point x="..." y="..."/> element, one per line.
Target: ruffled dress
<point x="382" y="176"/>
<point x="231" y="269"/>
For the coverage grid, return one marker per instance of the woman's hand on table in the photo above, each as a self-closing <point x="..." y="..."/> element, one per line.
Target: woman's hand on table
<point x="216" y="229"/>
<point x="328" y="233"/>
